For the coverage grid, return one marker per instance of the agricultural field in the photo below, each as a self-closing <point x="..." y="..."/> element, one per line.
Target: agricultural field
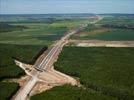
<point x="114" y="28"/>
<point x="105" y="34"/>
<point x="4" y="27"/>
<point x="105" y="70"/>
<point x="68" y="92"/>
<point x="23" y="37"/>
<point x="118" y="20"/>
<point x="35" y="34"/>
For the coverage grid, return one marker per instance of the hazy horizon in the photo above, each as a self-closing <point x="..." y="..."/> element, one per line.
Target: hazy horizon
<point x="69" y="13"/>
<point x="66" y="6"/>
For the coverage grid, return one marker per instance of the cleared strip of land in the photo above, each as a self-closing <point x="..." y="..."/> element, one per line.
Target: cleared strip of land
<point x="100" y="43"/>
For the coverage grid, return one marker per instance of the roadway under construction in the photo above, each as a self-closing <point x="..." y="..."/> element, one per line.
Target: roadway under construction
<point x="43" y="70"/>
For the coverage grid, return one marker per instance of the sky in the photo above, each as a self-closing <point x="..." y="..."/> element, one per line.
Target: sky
<point x="65" y="6"/>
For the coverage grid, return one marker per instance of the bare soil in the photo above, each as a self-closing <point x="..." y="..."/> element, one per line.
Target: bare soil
<point x="100" y="43"/>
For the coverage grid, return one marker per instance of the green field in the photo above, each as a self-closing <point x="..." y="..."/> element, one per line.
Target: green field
<point x="36" y="34"/>
<point x="115" y="34"/>
<point x="4" y="27"/>
<point x="107" y="70"/>
<point x="114" y="28"/>
<point x="72" y="23"/>
<point x="110" y="35"/>
<point x="68" y="92"/>
<point x="118" y="20"/>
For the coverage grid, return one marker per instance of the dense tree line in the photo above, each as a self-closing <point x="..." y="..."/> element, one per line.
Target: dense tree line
<point x="123" y="26"/>
<point x="68" y="92"/>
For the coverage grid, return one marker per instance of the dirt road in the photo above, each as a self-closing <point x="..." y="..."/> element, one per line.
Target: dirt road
<point x="100" y="43"/>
